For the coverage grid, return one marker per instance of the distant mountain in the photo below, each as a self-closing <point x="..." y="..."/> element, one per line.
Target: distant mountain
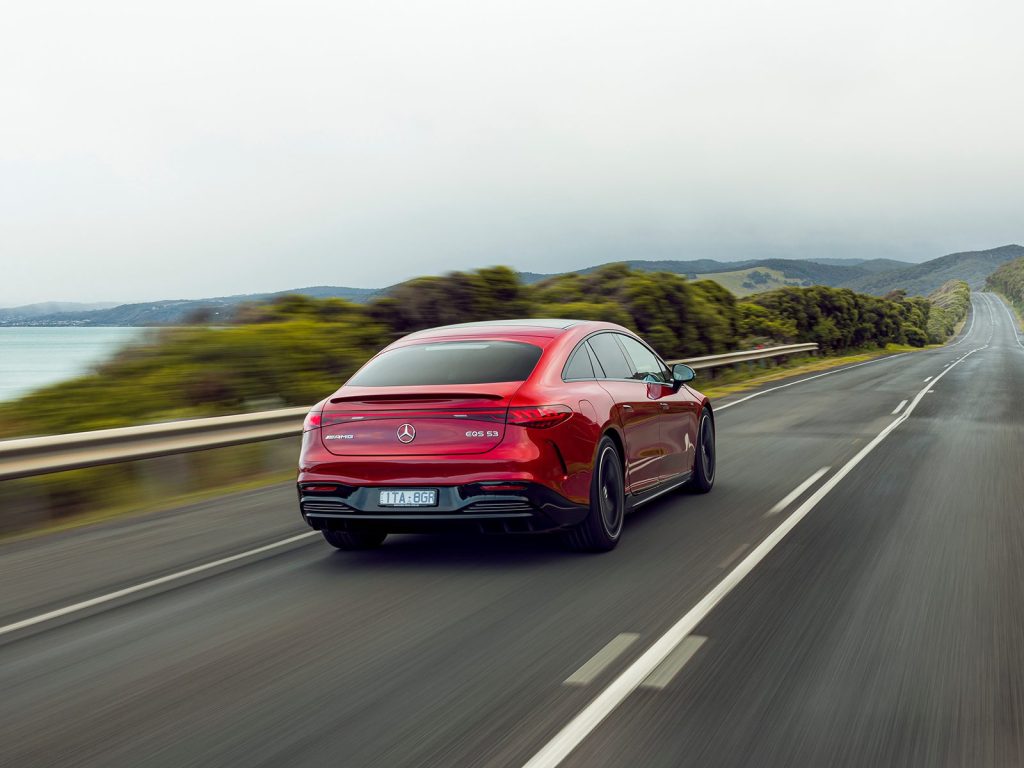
<point x="28" y="311"/>
<point x="177" y="311"/>
<point x="872" y="265"/>
<point x="876" y="276"/>
<point x="796" y="270"/>
<point x="921" y="279"/>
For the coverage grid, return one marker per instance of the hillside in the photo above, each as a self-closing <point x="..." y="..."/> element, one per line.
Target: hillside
<point x="175" y="311"/>
<point x="871" y="265"/>
<point x="799" y="271"/>
<point x="30" y="311"/>
<point x="746" y="282"/>
<point x="872" y="276"/>
<point x="921" y="279"/>
<point x="775" y="273"/>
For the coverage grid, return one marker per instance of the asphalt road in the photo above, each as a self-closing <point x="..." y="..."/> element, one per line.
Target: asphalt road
<point x="874" y="618"/>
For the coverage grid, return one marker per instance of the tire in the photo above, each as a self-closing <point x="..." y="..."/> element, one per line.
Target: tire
<point x="602" y="528"/>
<point x="353" y="540"/>
<point x="705" y="457"/>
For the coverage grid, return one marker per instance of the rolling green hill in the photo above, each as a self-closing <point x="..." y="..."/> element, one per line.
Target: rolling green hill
<point x="176" y="311"/>
<point x="871" y="265"/>
<point x="795" y="270"/>
<point x="974" y="267"/>
<point x="745" y="282"/>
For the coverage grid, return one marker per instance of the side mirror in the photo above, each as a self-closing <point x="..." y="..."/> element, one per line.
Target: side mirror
<point x="682" y="373"/>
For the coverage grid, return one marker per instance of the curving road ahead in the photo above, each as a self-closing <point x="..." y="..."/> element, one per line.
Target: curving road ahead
<point x="852" y="593"/>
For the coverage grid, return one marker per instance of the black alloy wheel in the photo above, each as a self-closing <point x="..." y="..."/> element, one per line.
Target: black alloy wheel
<point x="602" y="528"/>
<point x="705" y="459"/>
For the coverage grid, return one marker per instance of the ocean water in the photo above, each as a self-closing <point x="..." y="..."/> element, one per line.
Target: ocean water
<point x="34" y="357"/>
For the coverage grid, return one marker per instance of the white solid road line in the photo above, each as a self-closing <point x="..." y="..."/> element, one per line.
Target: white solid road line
<point x="577" y="729"/>
<point x="809" y="378"/>
<point x="615" y="648"/>
<point x="899" y="407"/>
<point x="797" y="492"/>
<point x="665" y="672"/>
<point x="148" y="584"/>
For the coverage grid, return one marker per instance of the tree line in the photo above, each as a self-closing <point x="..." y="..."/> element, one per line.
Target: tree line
<point x="679" y="317"/>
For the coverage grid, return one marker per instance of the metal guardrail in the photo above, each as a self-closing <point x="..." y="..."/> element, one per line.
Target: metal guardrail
<point x="29" y="456"/>
<point x="714" y="361"/>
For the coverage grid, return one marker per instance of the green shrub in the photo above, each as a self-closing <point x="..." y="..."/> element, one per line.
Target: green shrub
<point x="1008" y="279"/>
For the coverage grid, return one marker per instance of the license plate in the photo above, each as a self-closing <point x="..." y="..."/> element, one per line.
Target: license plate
<point x="409" y="498"/>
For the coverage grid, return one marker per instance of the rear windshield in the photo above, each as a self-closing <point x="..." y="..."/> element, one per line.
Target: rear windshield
<point x="453" y="362"/>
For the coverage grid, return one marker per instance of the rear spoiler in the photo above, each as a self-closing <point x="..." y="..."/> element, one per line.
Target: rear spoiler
<point x="414" y="397"/>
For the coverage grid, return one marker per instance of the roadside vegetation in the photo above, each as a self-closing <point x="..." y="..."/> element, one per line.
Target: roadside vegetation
<point x="949" y="306"/>
<point x="297" y="349"/>
<point x="1009" y="281"/>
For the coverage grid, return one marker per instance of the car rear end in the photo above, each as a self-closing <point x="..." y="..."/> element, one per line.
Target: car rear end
<point x="436" y="434"/>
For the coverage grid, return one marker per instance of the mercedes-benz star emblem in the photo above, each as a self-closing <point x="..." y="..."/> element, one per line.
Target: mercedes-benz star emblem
<point x="407" y="433"/>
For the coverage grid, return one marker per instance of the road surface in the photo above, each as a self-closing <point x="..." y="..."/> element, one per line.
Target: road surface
<point x="851" y="593"/>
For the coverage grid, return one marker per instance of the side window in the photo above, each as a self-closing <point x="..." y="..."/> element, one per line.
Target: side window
<point x="579" y="365"/>
<point x="610" y="356"/>
<point x="645" y="362"/>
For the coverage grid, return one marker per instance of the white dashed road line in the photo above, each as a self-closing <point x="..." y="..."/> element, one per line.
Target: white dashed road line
<point x="797" y="492"/>
<point x="600" y="660"/>
<point x="664" y="673"/>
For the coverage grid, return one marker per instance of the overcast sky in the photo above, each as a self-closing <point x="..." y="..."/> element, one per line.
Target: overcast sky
<point x="194" y="148"/>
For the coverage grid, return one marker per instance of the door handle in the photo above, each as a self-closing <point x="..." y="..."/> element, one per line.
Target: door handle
<point x="664" y="406"/>
<point x="626" y="407"/>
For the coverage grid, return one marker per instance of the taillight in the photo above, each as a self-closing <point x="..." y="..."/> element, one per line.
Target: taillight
<point x="313" y="419"/>
<point x="539" y="416"/>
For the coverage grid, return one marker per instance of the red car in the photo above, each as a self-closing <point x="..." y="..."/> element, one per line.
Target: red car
<point x="505" y="426"/>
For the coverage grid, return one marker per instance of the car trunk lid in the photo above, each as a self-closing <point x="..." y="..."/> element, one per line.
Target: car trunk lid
<point x="468" y="419"/>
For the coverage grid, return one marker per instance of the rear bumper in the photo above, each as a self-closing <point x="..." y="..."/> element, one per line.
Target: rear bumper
<point x="533" y="509"/>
